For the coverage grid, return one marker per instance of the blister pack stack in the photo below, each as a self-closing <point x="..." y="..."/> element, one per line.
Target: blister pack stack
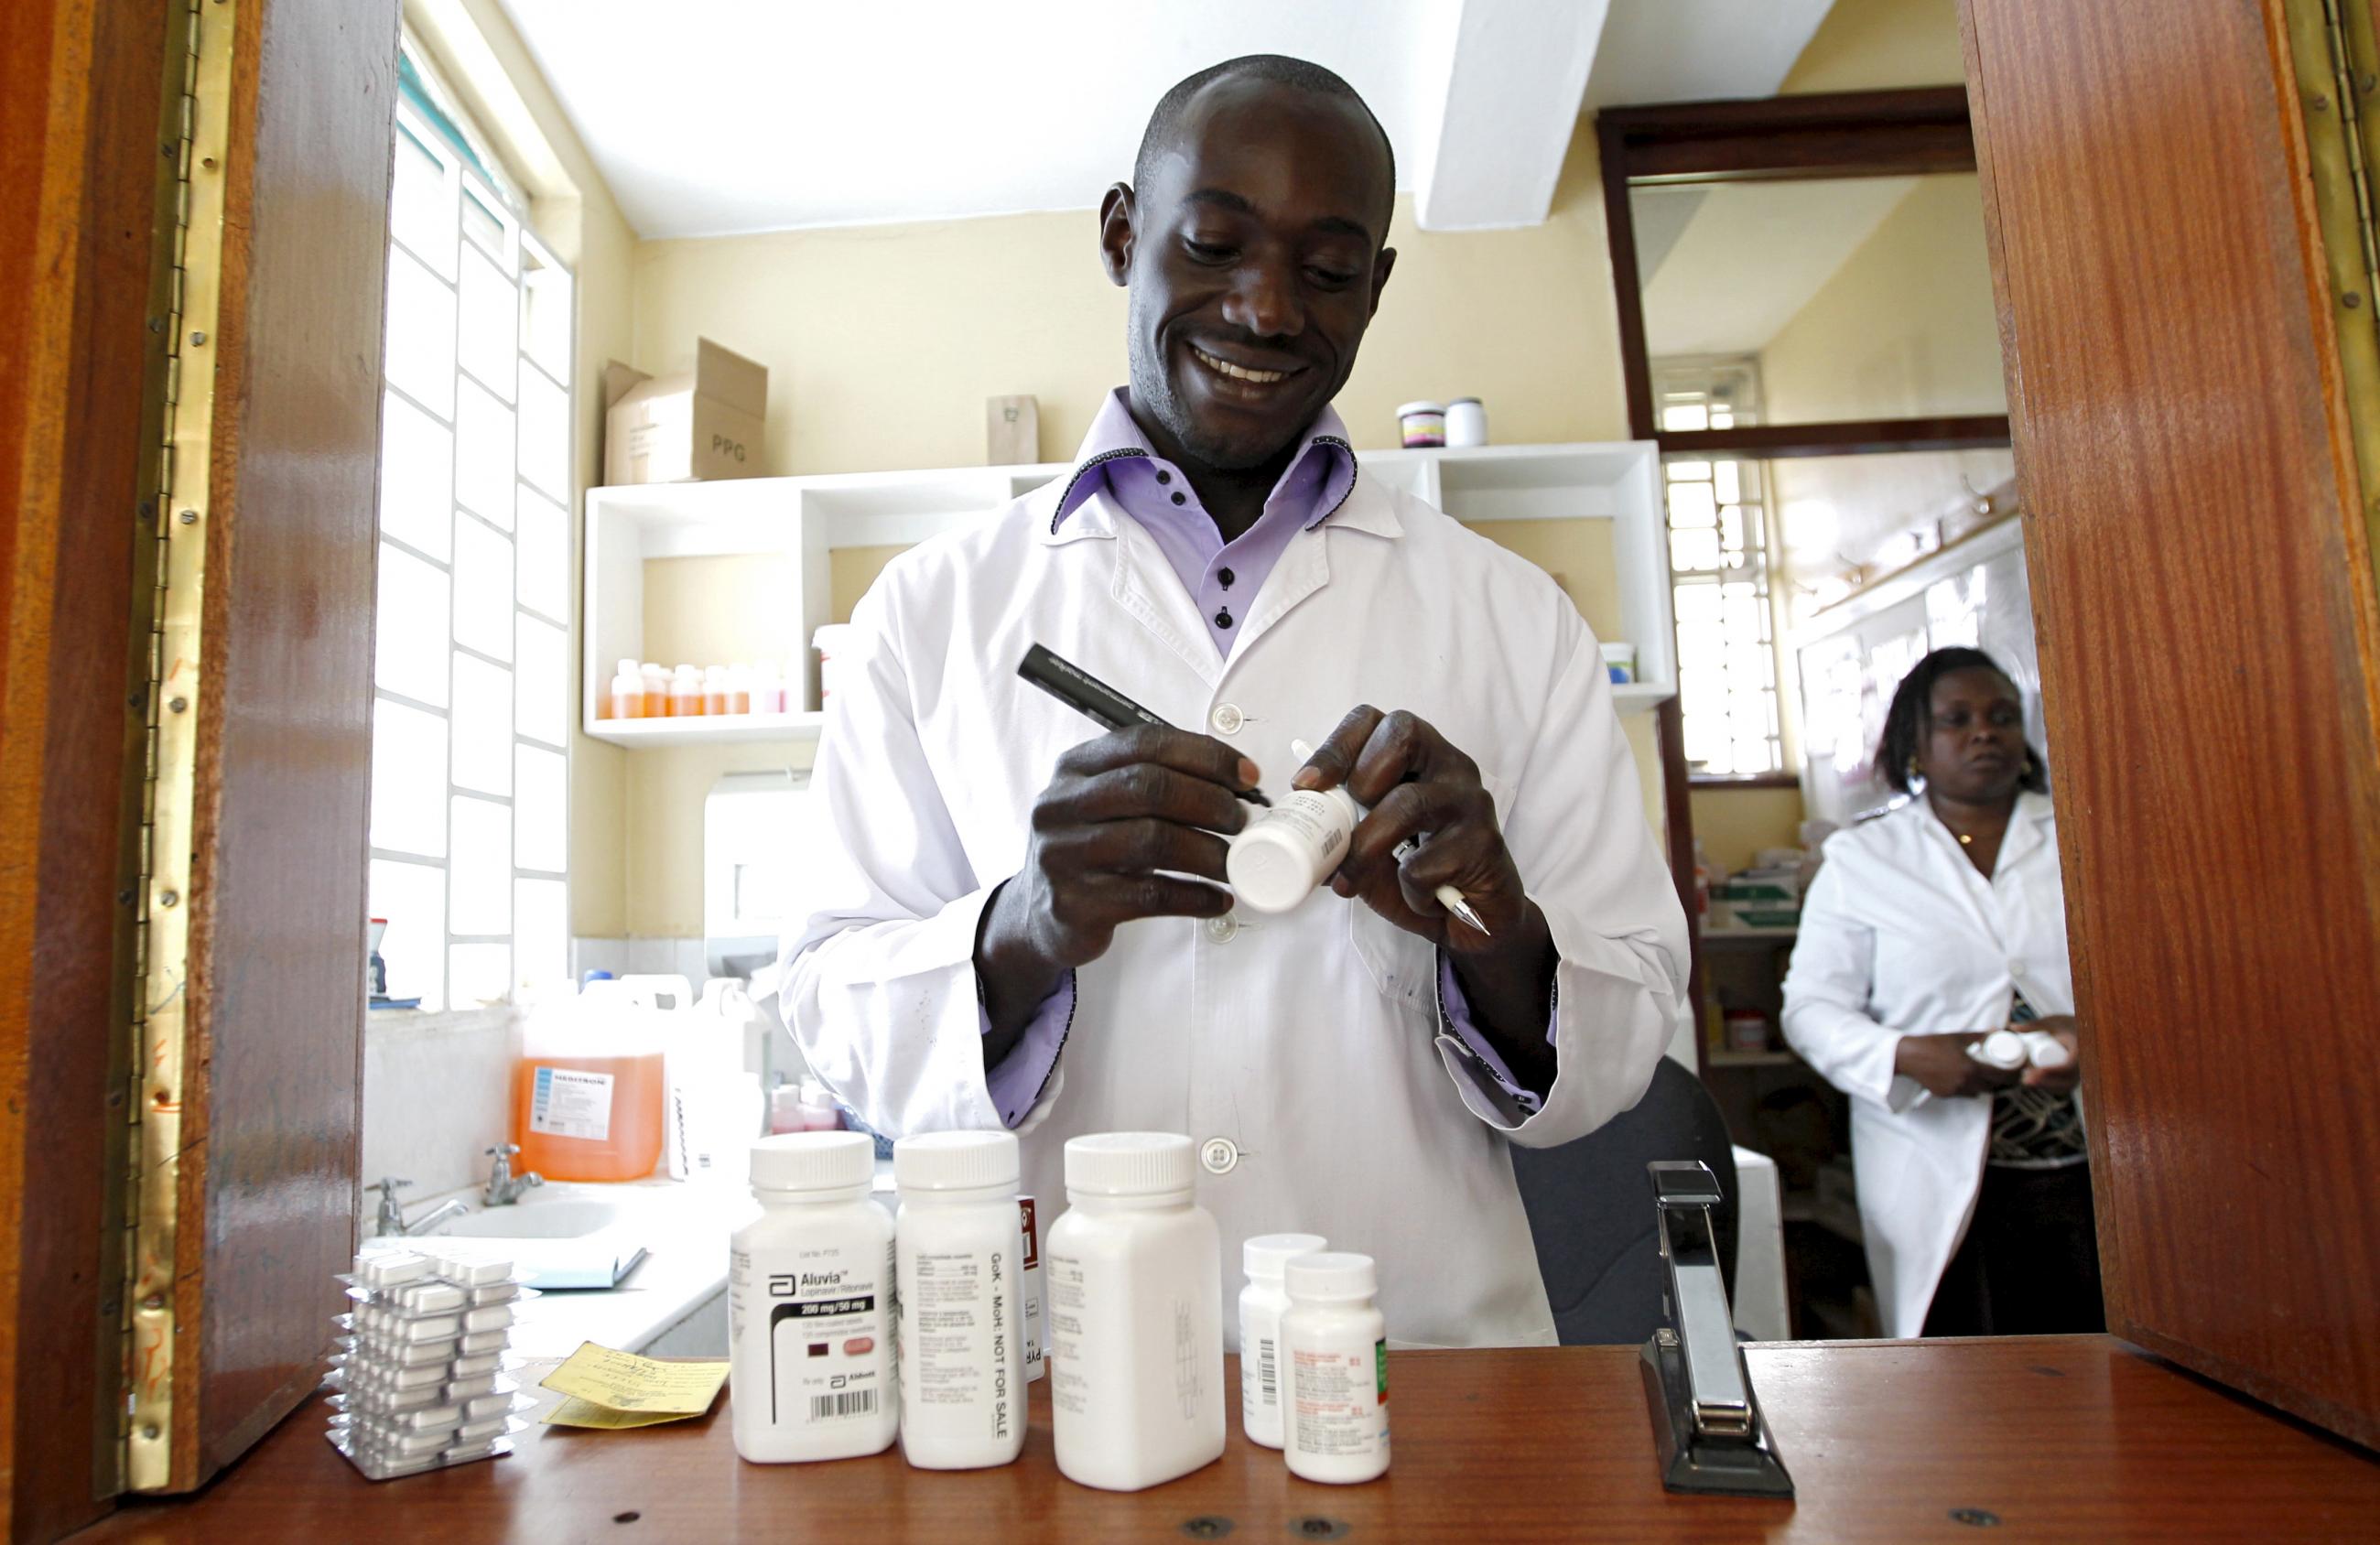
<point x="421" y="1376"/>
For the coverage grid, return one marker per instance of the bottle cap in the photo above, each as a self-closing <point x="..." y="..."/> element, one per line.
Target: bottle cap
<point x="1458" y="402"/>
<point x="1266" y="1254"/>
<point x="1332" y="1274"/>
<point x="1130" y="1164"/>
<point x="2000" y="1049"/>
<point x="1421" y="407"/>
<point x="1268" y="867"/>
<point x="627" y="667"/>
<point x="956" y="1160"/>
<point x="2045" y="1050"/>
<point x="813" y="1161"/>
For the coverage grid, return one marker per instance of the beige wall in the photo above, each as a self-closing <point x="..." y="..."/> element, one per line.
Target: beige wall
<point x="883" y="343"/>
<point x="1872" y="44"/>
<point x="1733" y="824"/>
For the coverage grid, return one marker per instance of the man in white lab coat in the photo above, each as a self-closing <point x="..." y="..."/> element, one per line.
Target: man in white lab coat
<point x="1012" y="921"/>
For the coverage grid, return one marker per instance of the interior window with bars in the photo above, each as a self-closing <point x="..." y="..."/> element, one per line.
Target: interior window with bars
<point x="1718" y="574"/>
<point x="471" y="717"/>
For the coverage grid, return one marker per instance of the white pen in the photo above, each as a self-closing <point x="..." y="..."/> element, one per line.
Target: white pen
<point x="1447" y="896"/>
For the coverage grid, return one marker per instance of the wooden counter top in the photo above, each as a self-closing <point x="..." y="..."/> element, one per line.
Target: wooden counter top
<point x="2062" y="1439"/>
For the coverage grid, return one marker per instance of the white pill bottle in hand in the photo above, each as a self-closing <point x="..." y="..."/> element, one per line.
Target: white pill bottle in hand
<point x="1262" y="1302"/>
<point x="1334" y="1346"/>
<point x="961" y="1265"/>
<point x="1134" y="1274"/>
<point x="809" y="1336"/>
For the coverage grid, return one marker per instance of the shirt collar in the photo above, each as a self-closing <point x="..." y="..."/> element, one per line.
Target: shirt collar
<point x="1114" y="434"/>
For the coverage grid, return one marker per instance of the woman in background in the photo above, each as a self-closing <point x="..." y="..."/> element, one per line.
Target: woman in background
<point x="1929" y="926"/>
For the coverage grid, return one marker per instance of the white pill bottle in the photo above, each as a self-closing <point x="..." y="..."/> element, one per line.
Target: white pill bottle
<point x="961" y="1268"/>
<point x="809" y="1297"/>
<point x="1335" y="1350"/>
<point x="1261" y="1305"/>
<point x="1279" y="857"/>
<point x="1133" y="1272"/>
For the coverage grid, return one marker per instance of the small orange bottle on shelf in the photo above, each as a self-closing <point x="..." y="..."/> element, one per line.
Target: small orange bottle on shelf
<point x="739" y="688"/>
<point x="714" y="689"/>
<point x="626" y="697"/>
<point x="686" y="693"/>
<point x="656" y="682"/>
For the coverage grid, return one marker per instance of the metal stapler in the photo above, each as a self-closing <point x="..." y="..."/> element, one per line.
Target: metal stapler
<point x="1706" y="1424"/>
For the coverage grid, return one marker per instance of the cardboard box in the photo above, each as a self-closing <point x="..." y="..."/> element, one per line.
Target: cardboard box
<point x="703" y="423"/>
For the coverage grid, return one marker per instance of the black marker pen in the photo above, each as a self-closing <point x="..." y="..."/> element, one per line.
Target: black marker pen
<point x="1095" y="699"/>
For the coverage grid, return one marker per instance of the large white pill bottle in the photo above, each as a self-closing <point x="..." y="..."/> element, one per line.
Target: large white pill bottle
<point x="1134" y="1277"/>
<point x="809" y="1340"/>
<point x="1335" y="1350"/>
<point x="961" y="1265"/>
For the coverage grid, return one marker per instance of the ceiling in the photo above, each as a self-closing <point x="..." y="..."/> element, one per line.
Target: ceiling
<point x="1728" y="264"/>
<point x="710" y="117"/>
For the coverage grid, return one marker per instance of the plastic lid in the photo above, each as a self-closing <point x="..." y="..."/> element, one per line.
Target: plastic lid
<point x="1268" y="868"/>
<point x="2046" y="1050"/>
<point x="956" y="1160"/>
<point x="2000" y="1048"/>
<point x="813" y="1161"/>
<point x="1332" y="1274"/>
<point x="1421" y="407"/>
<point x="1264" y="1256"/>
<point x="627" y="667"/>
<point x="1458" y="402"/>
<point x="1130" y="1164"/>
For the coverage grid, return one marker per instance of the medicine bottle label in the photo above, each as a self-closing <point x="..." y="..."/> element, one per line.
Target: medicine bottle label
<point x="1069" y="1389"/>
<point x="571" y="1102"/>
<point x="826" y="1318"/>
<point x="1339" y="1400"/>
<point x="1259" y="1370"/>
<point x="955" y="1325"/>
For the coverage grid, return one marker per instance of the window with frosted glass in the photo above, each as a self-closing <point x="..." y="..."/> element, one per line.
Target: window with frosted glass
<point x="1719" y="576"/>
<point x="470" y="729"/>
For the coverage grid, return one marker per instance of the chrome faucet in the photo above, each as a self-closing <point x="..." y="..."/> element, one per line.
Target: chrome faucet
<point x="503" y="1186"/>
<point x="390" y="1220"/>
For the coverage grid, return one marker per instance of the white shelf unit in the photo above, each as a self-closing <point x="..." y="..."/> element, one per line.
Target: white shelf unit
<point x="805" y="519"/>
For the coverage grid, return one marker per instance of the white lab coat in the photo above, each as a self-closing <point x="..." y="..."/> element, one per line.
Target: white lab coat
<point x="1900" y="936"/>
<point x="1308" y="1041"/>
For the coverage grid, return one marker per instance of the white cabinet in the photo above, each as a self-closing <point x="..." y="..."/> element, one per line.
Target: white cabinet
<point x="799" y="522"/>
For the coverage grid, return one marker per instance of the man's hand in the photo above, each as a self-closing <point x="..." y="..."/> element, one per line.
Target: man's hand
<point x="2057" y="1080"/>
<point x="1413" y="783"/>
<point x="1940" y="1063"/>
<point x="1125" y="818"/>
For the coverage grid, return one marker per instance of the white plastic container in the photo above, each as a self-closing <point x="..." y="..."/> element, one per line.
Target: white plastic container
<point x="809" y="1340"/>
<point x="1277" y="859"/>
<point x="1466" y="422"/>
<point x="961" y="1270"/>
<point x="1261" y="1303"/>
<point x="1620" y="661"/>
<point x="1421" y="425"/>
<point x="1134" y="1273"/>
<point x="1335" y="1346"/>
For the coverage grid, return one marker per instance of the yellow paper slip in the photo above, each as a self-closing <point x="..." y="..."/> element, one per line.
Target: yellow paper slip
<point x="620" y="1389"/>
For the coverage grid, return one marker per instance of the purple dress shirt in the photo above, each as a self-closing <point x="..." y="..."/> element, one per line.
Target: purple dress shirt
<point x="1224" y="577"/>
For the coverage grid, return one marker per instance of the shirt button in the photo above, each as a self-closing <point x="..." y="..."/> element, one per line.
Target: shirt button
<point x="1226" y="719"/>
<point x="2016" y="967"/>
<point x="1224" y="930"/>
<point x="1220" y="1155"/>
<point x="1181" y="498"/>
<point x="1164" y="477"/>
<point x="1223" y="616"/>
<point x="1225" y="576"/>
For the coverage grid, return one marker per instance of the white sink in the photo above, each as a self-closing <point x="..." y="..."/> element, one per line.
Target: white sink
<point x="559" y="1219"/>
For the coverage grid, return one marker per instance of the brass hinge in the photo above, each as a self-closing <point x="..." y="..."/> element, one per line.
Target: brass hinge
<point x="2337" y="63"/>
<point x="201" y="38"/>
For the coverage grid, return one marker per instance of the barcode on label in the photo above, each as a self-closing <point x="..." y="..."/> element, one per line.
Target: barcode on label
<point x="1264" y="1364"/>
<point x="850" y="1403"/>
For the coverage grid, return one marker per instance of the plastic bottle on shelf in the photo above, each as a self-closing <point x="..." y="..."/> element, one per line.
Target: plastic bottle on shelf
<point x="739" y="688"/>
<point x="686" y="693"/>
<point x="767" y="688"/>
<point x="714" y="689"/>
<point x="627" y="699"/>
<point x="656" y="686"/>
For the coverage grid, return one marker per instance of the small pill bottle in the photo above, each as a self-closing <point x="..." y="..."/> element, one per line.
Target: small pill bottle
<point x="2001" y="1048"/>
<point x="714" y="689"/>
<point x="686" y="693"/>
<point x="1335" y="1350"/>
<point x="961" y="1269"/>
<point x="1277" y="859"/>
<point x="810" y="1372"/>
<point x="1261" y="1303"/>
<point x="627" y="699"/>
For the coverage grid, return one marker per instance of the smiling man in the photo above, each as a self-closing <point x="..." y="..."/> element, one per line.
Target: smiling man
<point x="1009" y="922"/>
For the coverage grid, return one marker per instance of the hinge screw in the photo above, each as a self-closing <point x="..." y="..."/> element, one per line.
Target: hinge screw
<point x="170" y="898"/>
<point x="155" y="1301"/>
<point x="198" y="337"/>
<point x="2352" y="300"/>
<point x="2321" y="102"/>
<point x="179" y="705"/>
<point x="188" y="518"/>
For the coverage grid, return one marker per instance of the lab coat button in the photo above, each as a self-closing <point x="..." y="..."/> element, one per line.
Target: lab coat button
<point x="1220" y="1155"/>
<point x="1226" y="719"/>
<point x="1224" y="930"/>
